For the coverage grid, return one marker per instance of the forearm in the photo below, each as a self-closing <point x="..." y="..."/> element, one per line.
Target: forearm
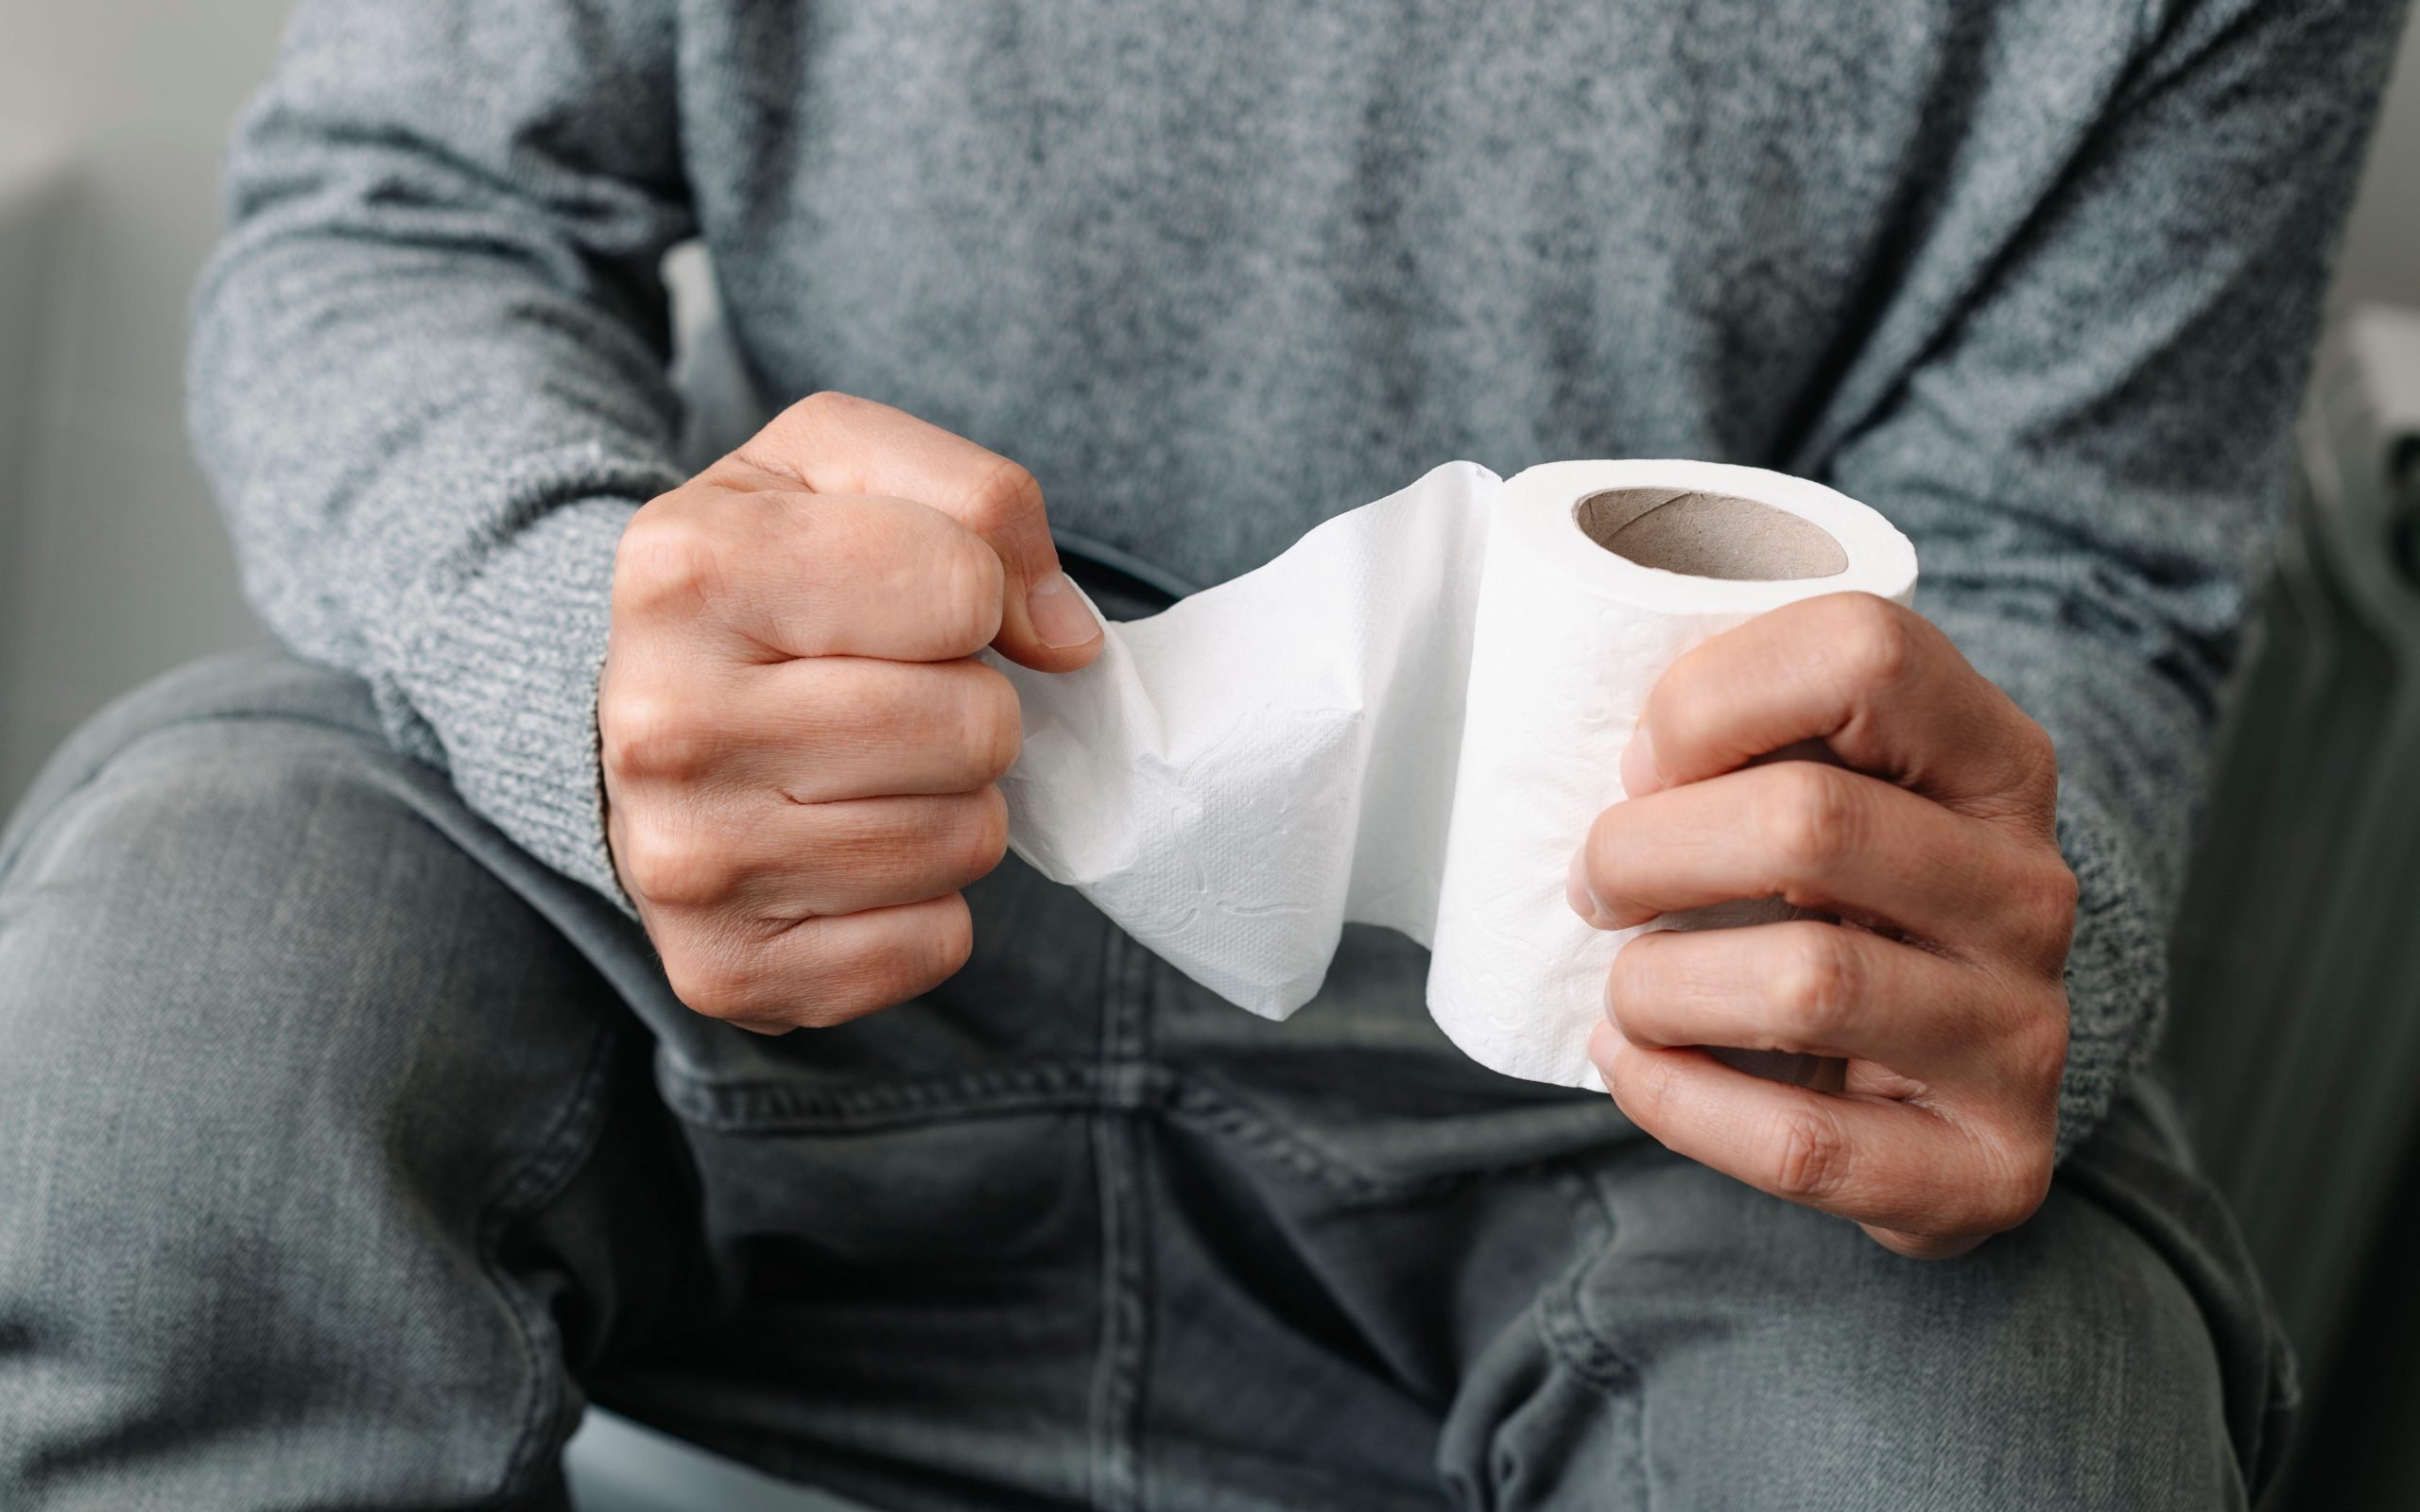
<point x="427" y="383"/>
<point x="2095" y="453"/>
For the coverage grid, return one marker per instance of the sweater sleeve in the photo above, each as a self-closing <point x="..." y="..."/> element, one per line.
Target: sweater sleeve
<point x="2095" y="453"/>
<point x="427" y="377"/>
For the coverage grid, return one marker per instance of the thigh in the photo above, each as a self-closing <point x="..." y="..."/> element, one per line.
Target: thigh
<point x="296" y="1098"/>
<point x="1725" y="1349"/>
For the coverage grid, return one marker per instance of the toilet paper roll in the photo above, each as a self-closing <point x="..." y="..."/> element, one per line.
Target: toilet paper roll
<point x="1410" y="719"/>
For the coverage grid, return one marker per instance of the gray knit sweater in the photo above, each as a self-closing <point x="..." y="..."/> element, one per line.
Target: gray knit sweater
<point x="2034" y="278"/>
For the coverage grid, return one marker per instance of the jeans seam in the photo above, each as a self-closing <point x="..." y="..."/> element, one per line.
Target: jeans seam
<point x="1211" y="1105"/>
<point x="1569" y="1340"/>
<point x="1576" y="1346"/>
<point x="773" y="1106"/>
<point x="1120" y="1372"/>
<point x="1119" y="1080"/>
<point x="1196" y="1101"/>
<point x="554" y="1162"/>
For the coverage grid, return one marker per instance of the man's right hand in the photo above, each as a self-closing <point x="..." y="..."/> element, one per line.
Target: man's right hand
<point x="799" y="753"/>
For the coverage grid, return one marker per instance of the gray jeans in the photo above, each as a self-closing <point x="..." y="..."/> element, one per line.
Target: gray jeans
<point x="344" y="1151"/>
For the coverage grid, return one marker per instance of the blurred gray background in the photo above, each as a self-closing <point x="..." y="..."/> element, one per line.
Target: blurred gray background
<point x="111" y="115"/>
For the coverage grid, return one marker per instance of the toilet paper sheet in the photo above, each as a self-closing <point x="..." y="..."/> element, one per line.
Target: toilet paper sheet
<point x="1410" y="719"/>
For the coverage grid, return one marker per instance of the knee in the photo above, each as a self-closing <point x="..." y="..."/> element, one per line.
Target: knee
<point x="208" y="892"/>
<point x="2076" y="1363"/>
<point x="277" y="1062"/>
<point x="175" y="996"/>
<point x="240" y="936"/>
<point x="1784" y="1358"/>
<point x="2065" y="1361"/>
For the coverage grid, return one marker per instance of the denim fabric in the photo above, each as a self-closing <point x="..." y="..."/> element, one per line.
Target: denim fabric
<point x="344" y="1148"/>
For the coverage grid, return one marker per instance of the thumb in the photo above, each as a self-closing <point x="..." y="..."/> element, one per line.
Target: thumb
<point x="834" y="443"/>
<point x="1046" y="622"/>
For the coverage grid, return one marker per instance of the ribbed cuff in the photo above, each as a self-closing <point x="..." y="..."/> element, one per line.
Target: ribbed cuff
<point x="2116" y="972"/>
<point x="504" y="675"/>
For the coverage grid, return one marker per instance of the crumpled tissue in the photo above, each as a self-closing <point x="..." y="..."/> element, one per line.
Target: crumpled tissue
<point x="1410" y="719"/>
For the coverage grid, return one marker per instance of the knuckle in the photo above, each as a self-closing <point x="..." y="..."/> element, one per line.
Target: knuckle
<point x="1816" y="984"/>
<point x="2038" y="752"/>
<point x="833" y="986"/>
<point x="2039" y="1056"/>
<point x="1810" y="816"/>
<point x="973" y="588"/>
<point x="987" y="835"/>
<point x="1603" y="851"/>
<point x="709" y="982"/>
<point x="952" y="942"/>
<point x="649" y="732"/>
<point x="1633" y="978"/>
<point x="812" y="425"/>
<point x="1638" y="1084"/>
<point x="2031" y="790"/>
<point x="2021" y="1183"/>
<point x="1006" y="493"/>
<point x="995" y="730"/>
<point x="666" y="556"/>
<point x="1812" y="1159"/>
<point x="2047" y="908"/>
<point x="2062" y="891"/>
<point x="825" y="407"/>
<point x="1680" y="709"/>
<point x="672" y="868"/>
<point x="876" y="978"/>
<point x="1872" y="638"/>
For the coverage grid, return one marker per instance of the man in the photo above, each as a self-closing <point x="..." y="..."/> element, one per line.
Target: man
<point x="377" y="1076"/>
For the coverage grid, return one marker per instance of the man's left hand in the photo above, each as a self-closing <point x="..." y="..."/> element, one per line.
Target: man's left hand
<point x="1932" y="843"/>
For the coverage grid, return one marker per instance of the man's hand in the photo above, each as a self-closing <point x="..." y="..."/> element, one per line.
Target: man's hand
<point x="798" y="754"/>
<point x="1942" y="986"/>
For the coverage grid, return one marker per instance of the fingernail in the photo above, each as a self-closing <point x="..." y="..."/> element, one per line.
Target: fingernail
<point x="1639" y="777"/>
<point x="1602" y="1042"/>
<point x="1576" y="893"/>
<point x="1059" y="615"/>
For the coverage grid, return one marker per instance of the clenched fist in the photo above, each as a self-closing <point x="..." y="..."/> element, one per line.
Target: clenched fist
<point x="799" y="753"/>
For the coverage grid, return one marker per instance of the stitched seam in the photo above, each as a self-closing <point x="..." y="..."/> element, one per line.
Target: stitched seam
<point x="1563" y="1329"/>
<point x="556" y="1159"/>
<point x="1113" y="1082"/>
<point x="1135" y="1084"/>
<point x="1560" y="1322"/>
<point x="1205" y="1101"/>
<point x="1206" y="1108"/>
<point x="1134" y="1291"/>
<point x="1118" y="1371"/>
<point x="1116" y="1393"/>
<point x="781" y="1107"/>
<point x="1570" y="1340"/>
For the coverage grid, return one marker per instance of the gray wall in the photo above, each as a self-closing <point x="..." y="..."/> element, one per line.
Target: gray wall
<point x="112" y="564"/>
<point x="2382" y="251"/>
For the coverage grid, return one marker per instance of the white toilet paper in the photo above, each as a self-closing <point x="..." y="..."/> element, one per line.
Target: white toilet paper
<point x="1410" y="719"/>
